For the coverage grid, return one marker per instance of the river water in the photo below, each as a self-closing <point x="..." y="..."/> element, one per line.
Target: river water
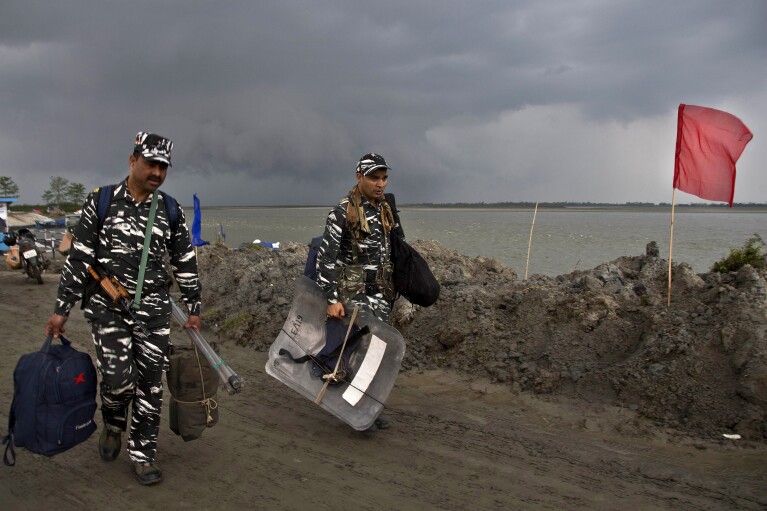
<point x="563" y="239"/>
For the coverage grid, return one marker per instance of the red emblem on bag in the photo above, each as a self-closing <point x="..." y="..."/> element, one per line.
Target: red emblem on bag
<point x="80" y="379"/>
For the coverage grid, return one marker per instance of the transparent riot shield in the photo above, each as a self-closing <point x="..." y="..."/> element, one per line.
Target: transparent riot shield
<point x="359" y="397"/>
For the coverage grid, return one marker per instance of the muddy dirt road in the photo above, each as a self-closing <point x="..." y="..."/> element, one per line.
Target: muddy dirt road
<point x="455" y="443"/>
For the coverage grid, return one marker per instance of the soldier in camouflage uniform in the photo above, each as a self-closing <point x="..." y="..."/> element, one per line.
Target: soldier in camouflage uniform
<point x="354" y="259"/>
<point x="131" y="364"/>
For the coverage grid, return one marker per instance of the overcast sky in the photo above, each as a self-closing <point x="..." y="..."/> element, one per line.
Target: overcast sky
<point x="274" y="102"/>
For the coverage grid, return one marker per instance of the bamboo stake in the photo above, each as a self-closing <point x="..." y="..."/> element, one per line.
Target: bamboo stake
<point x="321" y="393"/>
<point x="671" y="245"/>
<point x="530" y="241"/>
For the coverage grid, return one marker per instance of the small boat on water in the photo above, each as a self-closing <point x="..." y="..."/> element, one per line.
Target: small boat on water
<point x="17" y="220"/>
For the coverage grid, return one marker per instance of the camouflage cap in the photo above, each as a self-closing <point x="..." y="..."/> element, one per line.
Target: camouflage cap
<point x="153" y="147"/>
<point x="370" y="163"/>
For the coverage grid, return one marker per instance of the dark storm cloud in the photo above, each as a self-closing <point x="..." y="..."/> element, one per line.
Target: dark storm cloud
<point x="273" y="102"/>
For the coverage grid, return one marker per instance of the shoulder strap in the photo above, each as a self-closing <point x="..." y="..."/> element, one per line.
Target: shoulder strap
<point x="145" y="252"/>
<point x="171" y="209"/>
<point x="392" y="202"/>
<point x="105" y="199"/>
<point x="395" y="212"/>
<point x="102" y="205"/>
<point x="10" y="461"/>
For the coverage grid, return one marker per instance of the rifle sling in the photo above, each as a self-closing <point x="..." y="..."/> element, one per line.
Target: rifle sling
<point x="145" y="253"/>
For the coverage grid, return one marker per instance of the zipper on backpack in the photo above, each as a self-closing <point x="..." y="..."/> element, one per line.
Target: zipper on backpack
<point x="41" y="387"/>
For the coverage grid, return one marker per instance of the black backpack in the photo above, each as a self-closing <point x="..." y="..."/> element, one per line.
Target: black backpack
<point x="310" y="269"/>
<point x="54" y="400"/>
<point x="413" y="278"/>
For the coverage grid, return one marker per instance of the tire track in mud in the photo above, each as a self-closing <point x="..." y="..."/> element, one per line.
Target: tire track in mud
<point x="595" y="467"/>
<point x="480" y="462"/>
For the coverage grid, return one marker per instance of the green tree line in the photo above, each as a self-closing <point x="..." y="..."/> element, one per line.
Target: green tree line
<point x="60" y="191"/>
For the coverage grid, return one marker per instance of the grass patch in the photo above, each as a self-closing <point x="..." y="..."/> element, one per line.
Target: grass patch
<point x="750" y="253"/>
<point x="210" y="314"/>
<point x="236" y="321"/>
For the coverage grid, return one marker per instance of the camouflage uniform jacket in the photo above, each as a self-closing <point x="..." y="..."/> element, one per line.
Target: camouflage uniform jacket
<point x="336" y="252"/>
<point x="119" y="246"/>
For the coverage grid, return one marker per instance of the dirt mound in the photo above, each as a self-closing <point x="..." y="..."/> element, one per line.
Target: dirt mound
<point x="605" y="334"/>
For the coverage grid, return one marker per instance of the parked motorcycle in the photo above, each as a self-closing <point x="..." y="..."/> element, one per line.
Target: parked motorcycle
<point x="33" y="261"/>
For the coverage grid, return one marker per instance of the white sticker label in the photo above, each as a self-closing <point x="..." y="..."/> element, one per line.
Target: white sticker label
<point x="366" y="372"/>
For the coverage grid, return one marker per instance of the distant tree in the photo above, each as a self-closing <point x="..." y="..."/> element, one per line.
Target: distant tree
<point x="8" y="188"/>
<point x="57" y="192"/>
<point x="76" y="193"/>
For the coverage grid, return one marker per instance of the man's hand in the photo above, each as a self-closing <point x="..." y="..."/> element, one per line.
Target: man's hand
<point x="336" y="310"/>
<point x="194" y="323"/>
<point x="55" y="325"/>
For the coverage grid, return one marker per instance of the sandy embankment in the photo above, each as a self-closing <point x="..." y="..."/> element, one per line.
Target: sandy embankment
<point x="564" y="393"/>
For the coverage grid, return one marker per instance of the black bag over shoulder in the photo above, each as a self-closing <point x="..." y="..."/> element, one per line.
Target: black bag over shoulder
<point x="54" y="400"/>
<point x="413" y="278"/>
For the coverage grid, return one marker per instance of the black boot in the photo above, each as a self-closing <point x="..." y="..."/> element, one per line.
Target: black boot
<point x="380" y="423"/>
<point x="147" y="472"/>
<point x="110" y="443"/>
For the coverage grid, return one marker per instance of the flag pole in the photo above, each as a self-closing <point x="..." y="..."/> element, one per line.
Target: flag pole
<point x="530" y="242"/>
<point x="671" y="245"/>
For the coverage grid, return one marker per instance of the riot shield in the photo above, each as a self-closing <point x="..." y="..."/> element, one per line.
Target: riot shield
<point x="360" y="396"/>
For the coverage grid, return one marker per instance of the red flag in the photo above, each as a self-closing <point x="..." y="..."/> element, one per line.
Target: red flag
<point x="708" y="143"/>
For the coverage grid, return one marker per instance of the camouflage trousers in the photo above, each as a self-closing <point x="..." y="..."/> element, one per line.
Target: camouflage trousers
<point x="131" y="367"/>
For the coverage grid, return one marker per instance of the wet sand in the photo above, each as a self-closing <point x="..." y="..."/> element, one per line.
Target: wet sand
<point x="455" y="443"/>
